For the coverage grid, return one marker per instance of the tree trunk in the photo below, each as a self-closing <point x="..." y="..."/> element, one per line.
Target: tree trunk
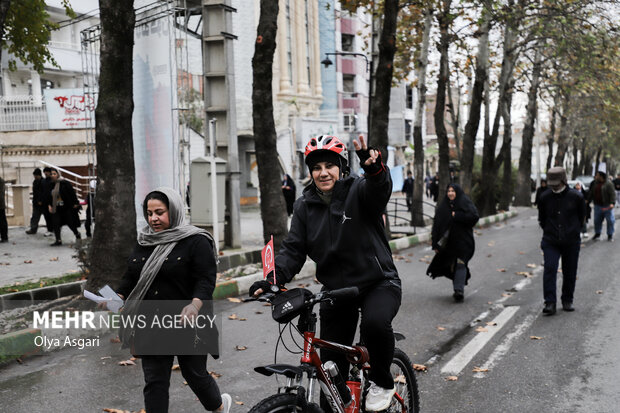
<point x="486" y="201"/>
<point x="272" y="205"/>
<point x="598" y="158"/>
<point x="4" y="9"/>
<point x="453" y="110"/>
<point x="575" y="168"/>
<point x="523" y="195"/>
<point x="564" y="138"/>
<point x="507" y="190"/>
<point x="378" y="134"/>
<point x="551" y="137"/>
<point x="417" y="209"/>
<point x="440" y="104"/>
<point x="471" y="128"/>
<point x="114" y="239"/>
<point x="585" y="157"/>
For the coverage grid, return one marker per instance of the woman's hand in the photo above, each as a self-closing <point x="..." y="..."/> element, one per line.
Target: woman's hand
<point x="367" y="157"/>
<point x="190" y="311"/>
<point x="104" y="305"/>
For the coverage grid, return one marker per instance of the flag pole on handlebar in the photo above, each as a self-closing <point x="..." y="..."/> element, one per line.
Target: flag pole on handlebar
<point x="268" y="260"/>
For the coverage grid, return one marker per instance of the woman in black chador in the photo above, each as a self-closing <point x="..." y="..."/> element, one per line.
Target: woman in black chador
<point x="453" y="239"/>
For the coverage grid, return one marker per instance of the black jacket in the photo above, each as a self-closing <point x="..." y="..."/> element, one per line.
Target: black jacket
<point x="561" y="216"/>
<point x="189" y="271"/>
<point x="346" y="238"/>
<point x="408" y="186"/>
<point x="39" y="192"/>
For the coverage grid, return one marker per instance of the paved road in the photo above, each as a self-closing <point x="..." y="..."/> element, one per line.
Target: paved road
<point x="573" y="366"/>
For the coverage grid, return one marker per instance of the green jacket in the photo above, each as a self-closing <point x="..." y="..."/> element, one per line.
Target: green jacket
<point x="608" y="193"/>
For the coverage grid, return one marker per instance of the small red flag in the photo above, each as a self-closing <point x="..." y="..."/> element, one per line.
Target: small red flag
<point x="268" y="260"/>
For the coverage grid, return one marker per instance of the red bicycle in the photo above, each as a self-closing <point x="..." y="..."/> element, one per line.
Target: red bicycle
<point x="344" y="395"/>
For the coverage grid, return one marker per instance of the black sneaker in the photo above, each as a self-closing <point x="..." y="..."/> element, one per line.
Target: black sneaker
<point x="458" y="296"/>
<point x="30" y="232"/>
<point x="4" y="240"/>
<point x="596" y="236"/>
<point x="610" y="238"/>
<point x="55" y="244"/>
<point x="549" y="309"/>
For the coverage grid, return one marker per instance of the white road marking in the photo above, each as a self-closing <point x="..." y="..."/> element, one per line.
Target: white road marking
<point x="467" y="353"/>
<point x="503" y="348"/>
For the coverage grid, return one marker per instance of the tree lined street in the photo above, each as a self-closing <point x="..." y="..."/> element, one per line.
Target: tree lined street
<point x="566" y="362"/>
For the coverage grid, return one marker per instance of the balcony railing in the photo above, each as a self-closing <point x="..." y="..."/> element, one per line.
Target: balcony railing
<point x="19" y="113"/>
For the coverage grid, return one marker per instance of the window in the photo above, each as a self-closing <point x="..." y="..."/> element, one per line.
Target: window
<point x="349" y="122"/>
<point x="348" y="84"/>
<point x="409" y="101"/>
<point x="46" y="84"/>
<point x="347" y="42"/>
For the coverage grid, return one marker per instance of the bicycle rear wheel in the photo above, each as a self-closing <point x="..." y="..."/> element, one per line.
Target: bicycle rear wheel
<point x="283" y="403"/>
<point x="405" y="383"/>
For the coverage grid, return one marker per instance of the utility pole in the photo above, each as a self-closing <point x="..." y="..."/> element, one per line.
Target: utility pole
<point x="220" y="73"/>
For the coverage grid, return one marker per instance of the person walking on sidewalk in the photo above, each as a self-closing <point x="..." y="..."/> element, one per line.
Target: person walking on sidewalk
<point x="39" y="206"/>
<point x="561" y="213"/>
<point x="453" y="239"/>
<point x="64" y="206"/>
<point x="581" y="189"/>
<point x="604" y="196"/>
<point x="289" y="192"/>
<point x="338" y="223"/>
<point x="4" y="226"/>
<point x="408" y="189"/>
<point x="172" y="261"/>
<point x="617" y="188"/>
<point x="46" y="187"/>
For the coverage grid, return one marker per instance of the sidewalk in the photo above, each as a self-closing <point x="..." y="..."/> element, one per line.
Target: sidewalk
<point x="30" y="257"/>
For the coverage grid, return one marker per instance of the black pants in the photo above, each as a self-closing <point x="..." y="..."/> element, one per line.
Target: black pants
<point x="64" y="216"/>
<point x="378" y="307"/>
<point x="37" y="211"/>
<point x="90" y="210"/>
<point x="157" y="371"/>
<point x="4" y="226"/>
<point x="570" y="259"/>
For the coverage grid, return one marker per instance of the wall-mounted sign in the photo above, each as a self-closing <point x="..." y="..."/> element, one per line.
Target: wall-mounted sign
<point x="69" y="108"/>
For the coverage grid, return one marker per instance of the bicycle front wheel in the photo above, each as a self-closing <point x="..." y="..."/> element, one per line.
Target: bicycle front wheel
<point x="282" y="403"/>
<point x="405" y="383"/>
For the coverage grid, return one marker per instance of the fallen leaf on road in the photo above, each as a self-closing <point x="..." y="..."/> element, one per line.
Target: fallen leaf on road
<point x="532" y="265"/>
<point x="501" y="269"/>
<point x="240" y="403"/>
<point x="175" y="367"/>
<point x="599" y="291"/>
<point x="521" y="253"/>
<point x="116" y="411"/>
<point x="232" y="317"/>
<point x="407" y="260"/>
<point x="126" y="363"/>
<point x="106" y="357"/>
<point x="491" y="323"/>
<point x="185" y="383"/>
<point x="525" y="274"/>
<point x="535" y="338"/>
<point x="480" y="370"/>
<point x="234" y="300"/>
<point x="481" y="329"/>
<point x="440" y="328"/>
<point x="266" y="304"/>
<point x="410" y="254"/>
<point x="303" y="285"/>
<point x="28" y="262"/>
<point x="420" y="367"/>
<point x="240" y="348"/>
<point x="258" y="312"/>
<point x="506" y="294"/>
<point x="452" y="378"/>
<point x="54" y="259"/>
<point x="242" y="319"/>
<point x="492" y="243"/>
<point x="215" y="375"/>
<point x="489" y="256"/>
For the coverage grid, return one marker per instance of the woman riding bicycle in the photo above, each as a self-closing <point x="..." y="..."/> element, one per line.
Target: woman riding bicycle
<point x="337" y="222"/>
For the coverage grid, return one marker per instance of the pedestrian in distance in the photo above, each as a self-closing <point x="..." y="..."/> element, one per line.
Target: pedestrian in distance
<point x="561" y="213"/>
<point x="427" y="183"/>
<point x="46" y="187"/>
<point x="90" y="207"/>
<point x="173" y="262"/>
<point x="435" y="188"/>
<point x="453" y="239"/>
<point x="289" y="192"/>
<point x="338" y="223"/>
<point x="603" y="195"/>
<point x="617" y="188"/>
<point x="540" y="190"/>
<point x="581" y="189"/>
<point x="4" y="226"/>
<point x="408" y="189"/>
<point x="39" y="206"/>
<point x="64" y="206"/>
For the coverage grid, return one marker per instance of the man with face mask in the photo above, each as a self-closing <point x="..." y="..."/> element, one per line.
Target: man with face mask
<point x="561" y="213"/>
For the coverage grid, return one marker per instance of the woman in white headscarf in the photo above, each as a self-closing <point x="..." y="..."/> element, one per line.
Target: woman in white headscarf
<point x="173" y="261"/>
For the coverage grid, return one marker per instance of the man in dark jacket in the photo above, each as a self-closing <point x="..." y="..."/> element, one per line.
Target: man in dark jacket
<point x="617" y="188"/>
<point x="338" y="223"/>
<point x="561" y="212"/>
<point x="604" y="196"/>
<point x="64" y="206"/>
<point x="38" y="201"/>
<point x="408" y="189"/>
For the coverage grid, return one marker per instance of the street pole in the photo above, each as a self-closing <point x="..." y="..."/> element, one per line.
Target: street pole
<point x="537" y="129"/>
<point x="216" y="229"/>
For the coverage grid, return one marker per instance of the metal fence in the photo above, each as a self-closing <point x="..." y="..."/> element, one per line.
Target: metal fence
<point x="19" y="113"/>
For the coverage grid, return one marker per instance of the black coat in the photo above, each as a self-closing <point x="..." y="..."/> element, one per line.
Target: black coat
<point x="561" y="216"/>
<point x="189" y="272"/>
<point x="408" y="186"/>
<point x="39" y="192"/>
<point x="461" y="244"/>
<point x="346" y="238"/>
